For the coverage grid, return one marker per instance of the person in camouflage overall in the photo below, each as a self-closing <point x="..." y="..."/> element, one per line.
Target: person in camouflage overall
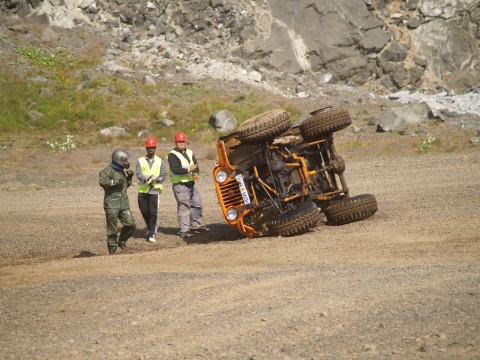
<point x="115" y="179"/>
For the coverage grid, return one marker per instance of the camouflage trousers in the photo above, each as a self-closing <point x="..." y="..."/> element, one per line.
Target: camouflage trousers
<point x="128" y="227"/>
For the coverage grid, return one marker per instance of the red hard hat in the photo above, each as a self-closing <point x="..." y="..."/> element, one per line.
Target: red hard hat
<point x="150" y="142"/>
<point x="180" y="137"/>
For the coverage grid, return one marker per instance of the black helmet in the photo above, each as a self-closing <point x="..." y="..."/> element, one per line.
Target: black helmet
<point x="120" y="157"/>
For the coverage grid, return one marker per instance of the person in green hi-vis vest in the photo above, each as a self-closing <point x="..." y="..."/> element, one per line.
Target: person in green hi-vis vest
<point x="151" y="173"/>
<point x="184" y="173"/>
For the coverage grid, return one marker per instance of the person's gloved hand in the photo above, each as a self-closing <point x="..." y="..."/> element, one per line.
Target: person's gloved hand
<point x="158" y="180"/>
<point x="149" y="179"/>
<point x="129" y="174"/>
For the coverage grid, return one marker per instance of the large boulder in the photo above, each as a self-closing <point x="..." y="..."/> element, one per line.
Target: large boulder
<point x="398" y="118"/>
<point x="223" y="121"/>
<point x="453" y="24"/>
<point x="299" y="36"/>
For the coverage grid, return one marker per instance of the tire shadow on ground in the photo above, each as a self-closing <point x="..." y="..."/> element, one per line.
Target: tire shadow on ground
<point x="217" y="232"/>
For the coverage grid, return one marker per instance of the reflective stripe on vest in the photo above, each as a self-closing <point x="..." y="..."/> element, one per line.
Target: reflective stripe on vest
<point x="147" y="171"/>
<point x="174" y="178"/>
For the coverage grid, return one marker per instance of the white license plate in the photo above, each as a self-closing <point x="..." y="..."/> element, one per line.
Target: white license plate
<point x="243" y="189"/>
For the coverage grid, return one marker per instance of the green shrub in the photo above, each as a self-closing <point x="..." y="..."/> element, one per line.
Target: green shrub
<point x="426" y="144"/>
<point x="68" y="145"/>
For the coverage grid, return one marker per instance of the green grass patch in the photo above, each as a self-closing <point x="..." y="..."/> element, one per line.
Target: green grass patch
<point x="109" y="100"/>
<point x="14" y="94"/>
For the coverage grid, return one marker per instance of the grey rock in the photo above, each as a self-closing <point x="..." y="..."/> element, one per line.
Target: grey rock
<point x="143" y="133"/>
<point x="45" y="92"/>
<point x="413" y="113"/>
<point x="39" y="79"/>
<point x="150" y="6"/>
<point x="399" y="77"/>
<point x="39" y="18"/>
<point x="150" y="79"/>
<point x="413" y="22"/>
<point x="393" y="52"/>
<point x="24" y="10"/>
<point x="386" y="66"/>
<point x="34" y="3"/>
<point x="460" y="45"/>
<point x="127" y="15"/>
<point x="474" y="140"/>
<point x="167" y="122"/>
<point x="114" y="131"/>
<point x="412" y="4"/>
<point x="351" y="66"/>
<point x="374" y="40"/>
<point x="19" y="28"/>
<point x="391" y="122"/>
<point x="372" y="121"/>
<point x="328" y="78"/>
<point x="85" y="4"/>
<point x="357" y="130"/>
<point x="217" y="3"/>
<point x="445" y="9"/>
<point x="460" y="104"/>
<point x="420" y="61"/>
<point x="34" y="115"/>
<point x="82" y="85"/>
<point x="464" y="81"/>
<point x="223" y="121"/>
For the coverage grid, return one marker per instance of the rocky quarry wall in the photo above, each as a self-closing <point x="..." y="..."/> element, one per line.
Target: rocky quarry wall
<point x="429" y="45"/>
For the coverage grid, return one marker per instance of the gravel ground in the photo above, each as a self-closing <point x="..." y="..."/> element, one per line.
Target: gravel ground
<point x="404" y="283"/>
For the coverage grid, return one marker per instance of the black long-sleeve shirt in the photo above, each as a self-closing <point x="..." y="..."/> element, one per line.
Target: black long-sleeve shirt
<point x="176" y="165"/>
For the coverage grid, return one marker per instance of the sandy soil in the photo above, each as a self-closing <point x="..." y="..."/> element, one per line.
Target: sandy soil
<point x="402" y="284"/>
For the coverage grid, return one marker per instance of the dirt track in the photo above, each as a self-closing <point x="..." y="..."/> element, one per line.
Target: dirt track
<point x="402" y="284"/>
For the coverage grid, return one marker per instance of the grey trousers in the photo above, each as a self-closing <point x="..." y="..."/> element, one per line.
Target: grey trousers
<point x="189" y="207"/>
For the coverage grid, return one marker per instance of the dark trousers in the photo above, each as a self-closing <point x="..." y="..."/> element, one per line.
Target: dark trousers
<point x="148" y="204"/>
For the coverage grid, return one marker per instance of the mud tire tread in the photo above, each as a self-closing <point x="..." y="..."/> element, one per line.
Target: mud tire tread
<point x="264" y="127"/>
<point x="295" y="222"/>
<point x="353" y="209"/>
<point x="324" y="123"/>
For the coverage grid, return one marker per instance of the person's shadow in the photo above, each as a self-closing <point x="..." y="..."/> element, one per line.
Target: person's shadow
<point x="85" y="253"/>
<point x="216" y="233"/>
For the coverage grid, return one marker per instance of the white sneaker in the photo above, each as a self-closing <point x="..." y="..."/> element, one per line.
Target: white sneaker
<point x="151" y="239"/>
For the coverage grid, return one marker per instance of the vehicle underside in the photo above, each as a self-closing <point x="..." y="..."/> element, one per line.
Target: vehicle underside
<point x="276" y="179"/>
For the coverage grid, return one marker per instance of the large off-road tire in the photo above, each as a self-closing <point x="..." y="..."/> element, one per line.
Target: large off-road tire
<point x="353" y="209"/>
<point x="295" y="222"/>
<point x="264" y="127"/>
<point x="325" y="122"/>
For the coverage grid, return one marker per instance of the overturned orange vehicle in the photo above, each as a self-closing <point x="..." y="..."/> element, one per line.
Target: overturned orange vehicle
<point x="274" y="178"/>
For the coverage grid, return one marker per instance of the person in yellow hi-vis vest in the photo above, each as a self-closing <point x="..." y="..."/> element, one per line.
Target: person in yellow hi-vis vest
<point x="151" y="173"/>
<point x="184" y="173"/>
